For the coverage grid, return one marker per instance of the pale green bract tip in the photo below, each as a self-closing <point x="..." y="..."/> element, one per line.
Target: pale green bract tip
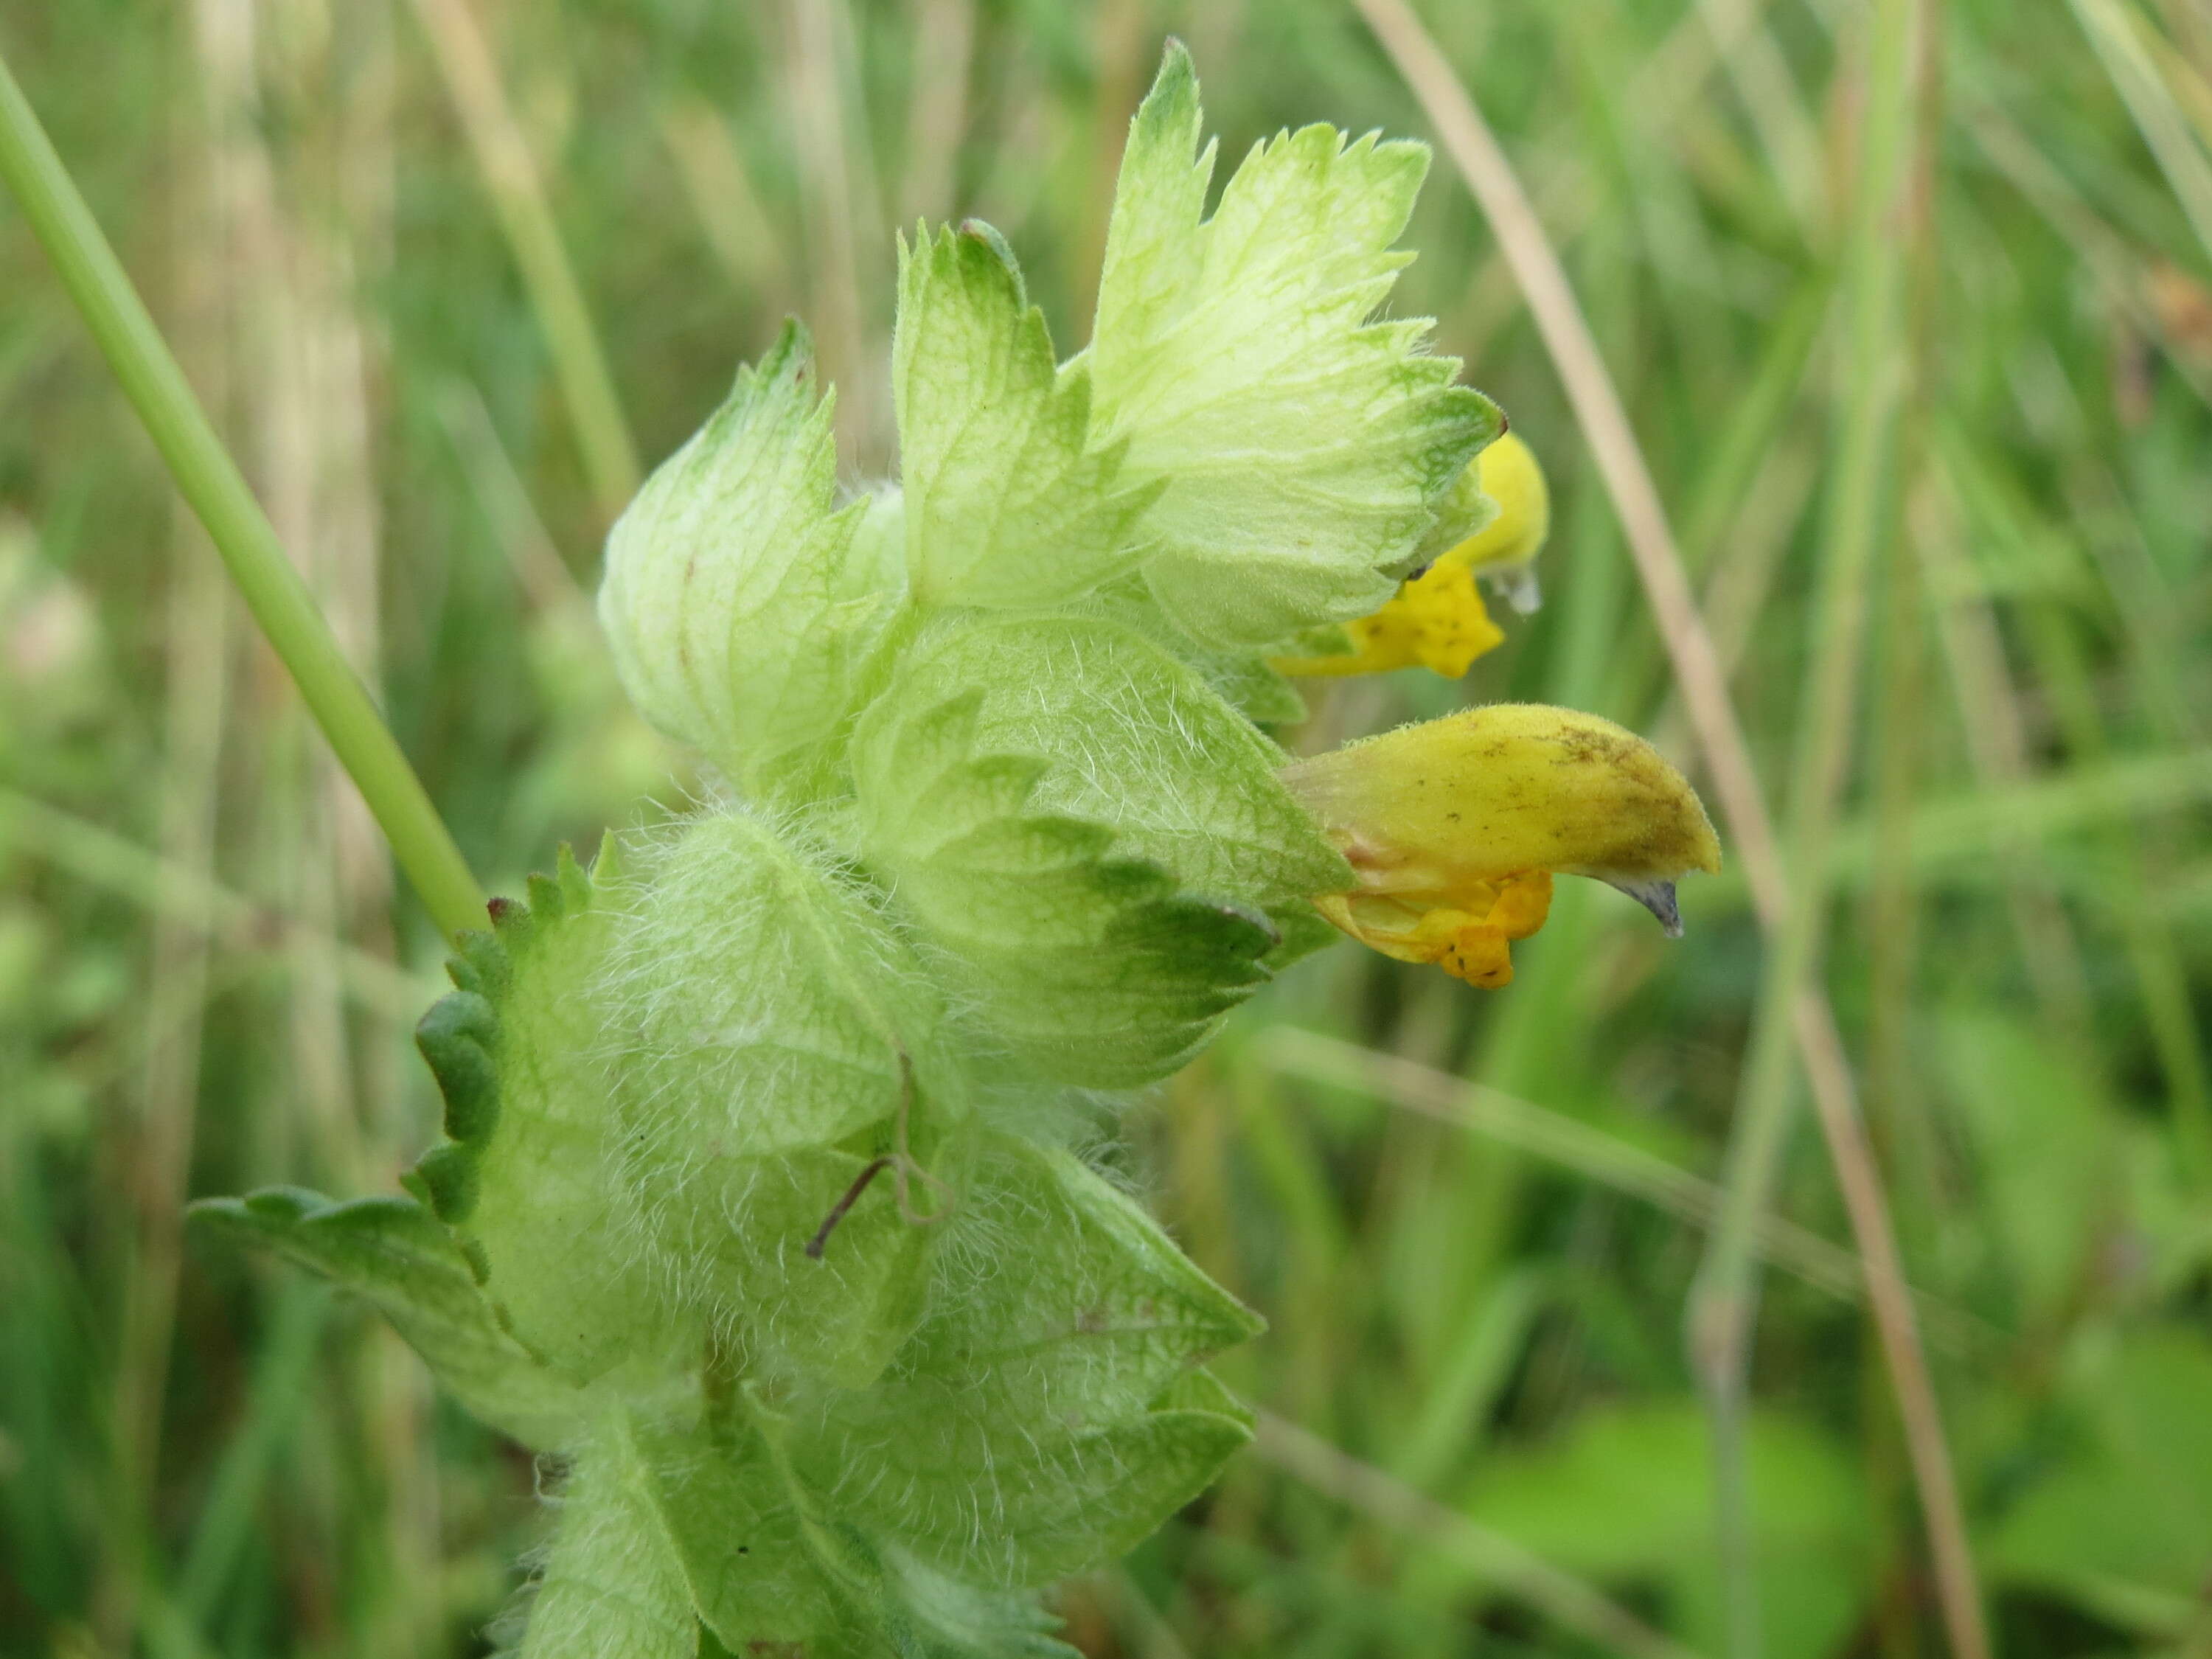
<point x="1305" y="448"/>
<point x="739" y="606"/>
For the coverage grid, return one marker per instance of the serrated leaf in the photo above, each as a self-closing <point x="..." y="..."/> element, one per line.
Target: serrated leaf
<point x="403" y="1261"/>
<point x="614" y="1586"/>
<point x="1004" y="508"/>
<point x="740" y="607"/>
<point x="1305" y="448"/>
<point x="778" y="1039"/>
<point x="528" y="1181"/>
<point x="1044" y="1418"/>
<point x="987" y="776"/>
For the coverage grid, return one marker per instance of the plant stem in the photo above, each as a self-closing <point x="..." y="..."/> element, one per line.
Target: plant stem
<point x="1482" y="162"/>
<point x="218" y="493"/>
<point x="1724" y="1302"/>
<point x="1566" y="1600"/>
<point x="2112" y="31"/>
<point x="556" y="295"/>
<point x="1568" y="1143"/>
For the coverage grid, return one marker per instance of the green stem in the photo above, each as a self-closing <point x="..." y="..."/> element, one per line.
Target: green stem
<point x="1724" y="1301"/>
<point x="212" y="483"/>
<point x="511" y="179"/>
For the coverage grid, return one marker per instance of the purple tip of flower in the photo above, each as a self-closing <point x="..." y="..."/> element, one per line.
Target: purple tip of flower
<point x="1657" y="898"/>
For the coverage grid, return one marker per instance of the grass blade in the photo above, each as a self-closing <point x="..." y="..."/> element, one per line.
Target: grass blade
<point x="240" y="531"/>
<point x="518" y="197"/>
<point x="1490" y="175"/>
<point x="1491" y="1556"/>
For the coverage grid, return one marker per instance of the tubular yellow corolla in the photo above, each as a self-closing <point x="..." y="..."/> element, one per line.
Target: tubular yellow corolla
<point x="1437" y="620"/>
<point x="1454" y="827"/>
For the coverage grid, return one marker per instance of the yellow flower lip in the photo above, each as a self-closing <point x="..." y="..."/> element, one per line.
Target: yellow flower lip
<point x="1436" y="620"/>
<point x="1457" y="817"/>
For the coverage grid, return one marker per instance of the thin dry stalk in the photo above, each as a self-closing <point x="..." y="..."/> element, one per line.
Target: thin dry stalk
<point x="829" y="208"/>
<point x="937" y="122"/>
<point x="332" y="215"/>
<point x="309" y="397"/>
<point x="1572" y="1144"/>
<point x="1489" y="1555"/>
<point x="518" y="198"/>
<point x="720" y="189"/>
<point x="1490" y="176"/>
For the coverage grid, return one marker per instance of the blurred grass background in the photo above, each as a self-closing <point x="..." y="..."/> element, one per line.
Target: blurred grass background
<point x="449" y="272"/>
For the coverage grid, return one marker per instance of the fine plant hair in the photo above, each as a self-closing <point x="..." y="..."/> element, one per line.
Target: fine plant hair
<point x="780" y="1201"/>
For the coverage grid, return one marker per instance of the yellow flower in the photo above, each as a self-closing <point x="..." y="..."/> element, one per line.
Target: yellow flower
<point x="1510" y="476"/>
<point x="1437" y="619"/>
<point x="1454" y="827"/>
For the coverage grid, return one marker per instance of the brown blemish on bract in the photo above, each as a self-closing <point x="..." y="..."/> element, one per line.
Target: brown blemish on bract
<point x="683" y="636"/>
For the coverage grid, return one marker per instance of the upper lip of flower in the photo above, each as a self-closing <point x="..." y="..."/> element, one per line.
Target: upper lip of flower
<point x="1449" y="825"/>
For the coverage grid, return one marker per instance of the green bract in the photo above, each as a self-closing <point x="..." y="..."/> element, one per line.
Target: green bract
<point x="777" y="1037"/>
<point x="1305" y="448"/>
<point x="1089" y="966"/>
<point x="1006" y="506"/>
<point x="739" y="606"/>
<point x="750" y="1210"/>
<point x="1104" y="956"/>
<point x="1049" y="1388"/>
<point x="521" y="1052"/>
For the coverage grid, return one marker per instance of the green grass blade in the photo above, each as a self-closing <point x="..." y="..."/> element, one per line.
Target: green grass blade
<point x="218" y="493"/>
